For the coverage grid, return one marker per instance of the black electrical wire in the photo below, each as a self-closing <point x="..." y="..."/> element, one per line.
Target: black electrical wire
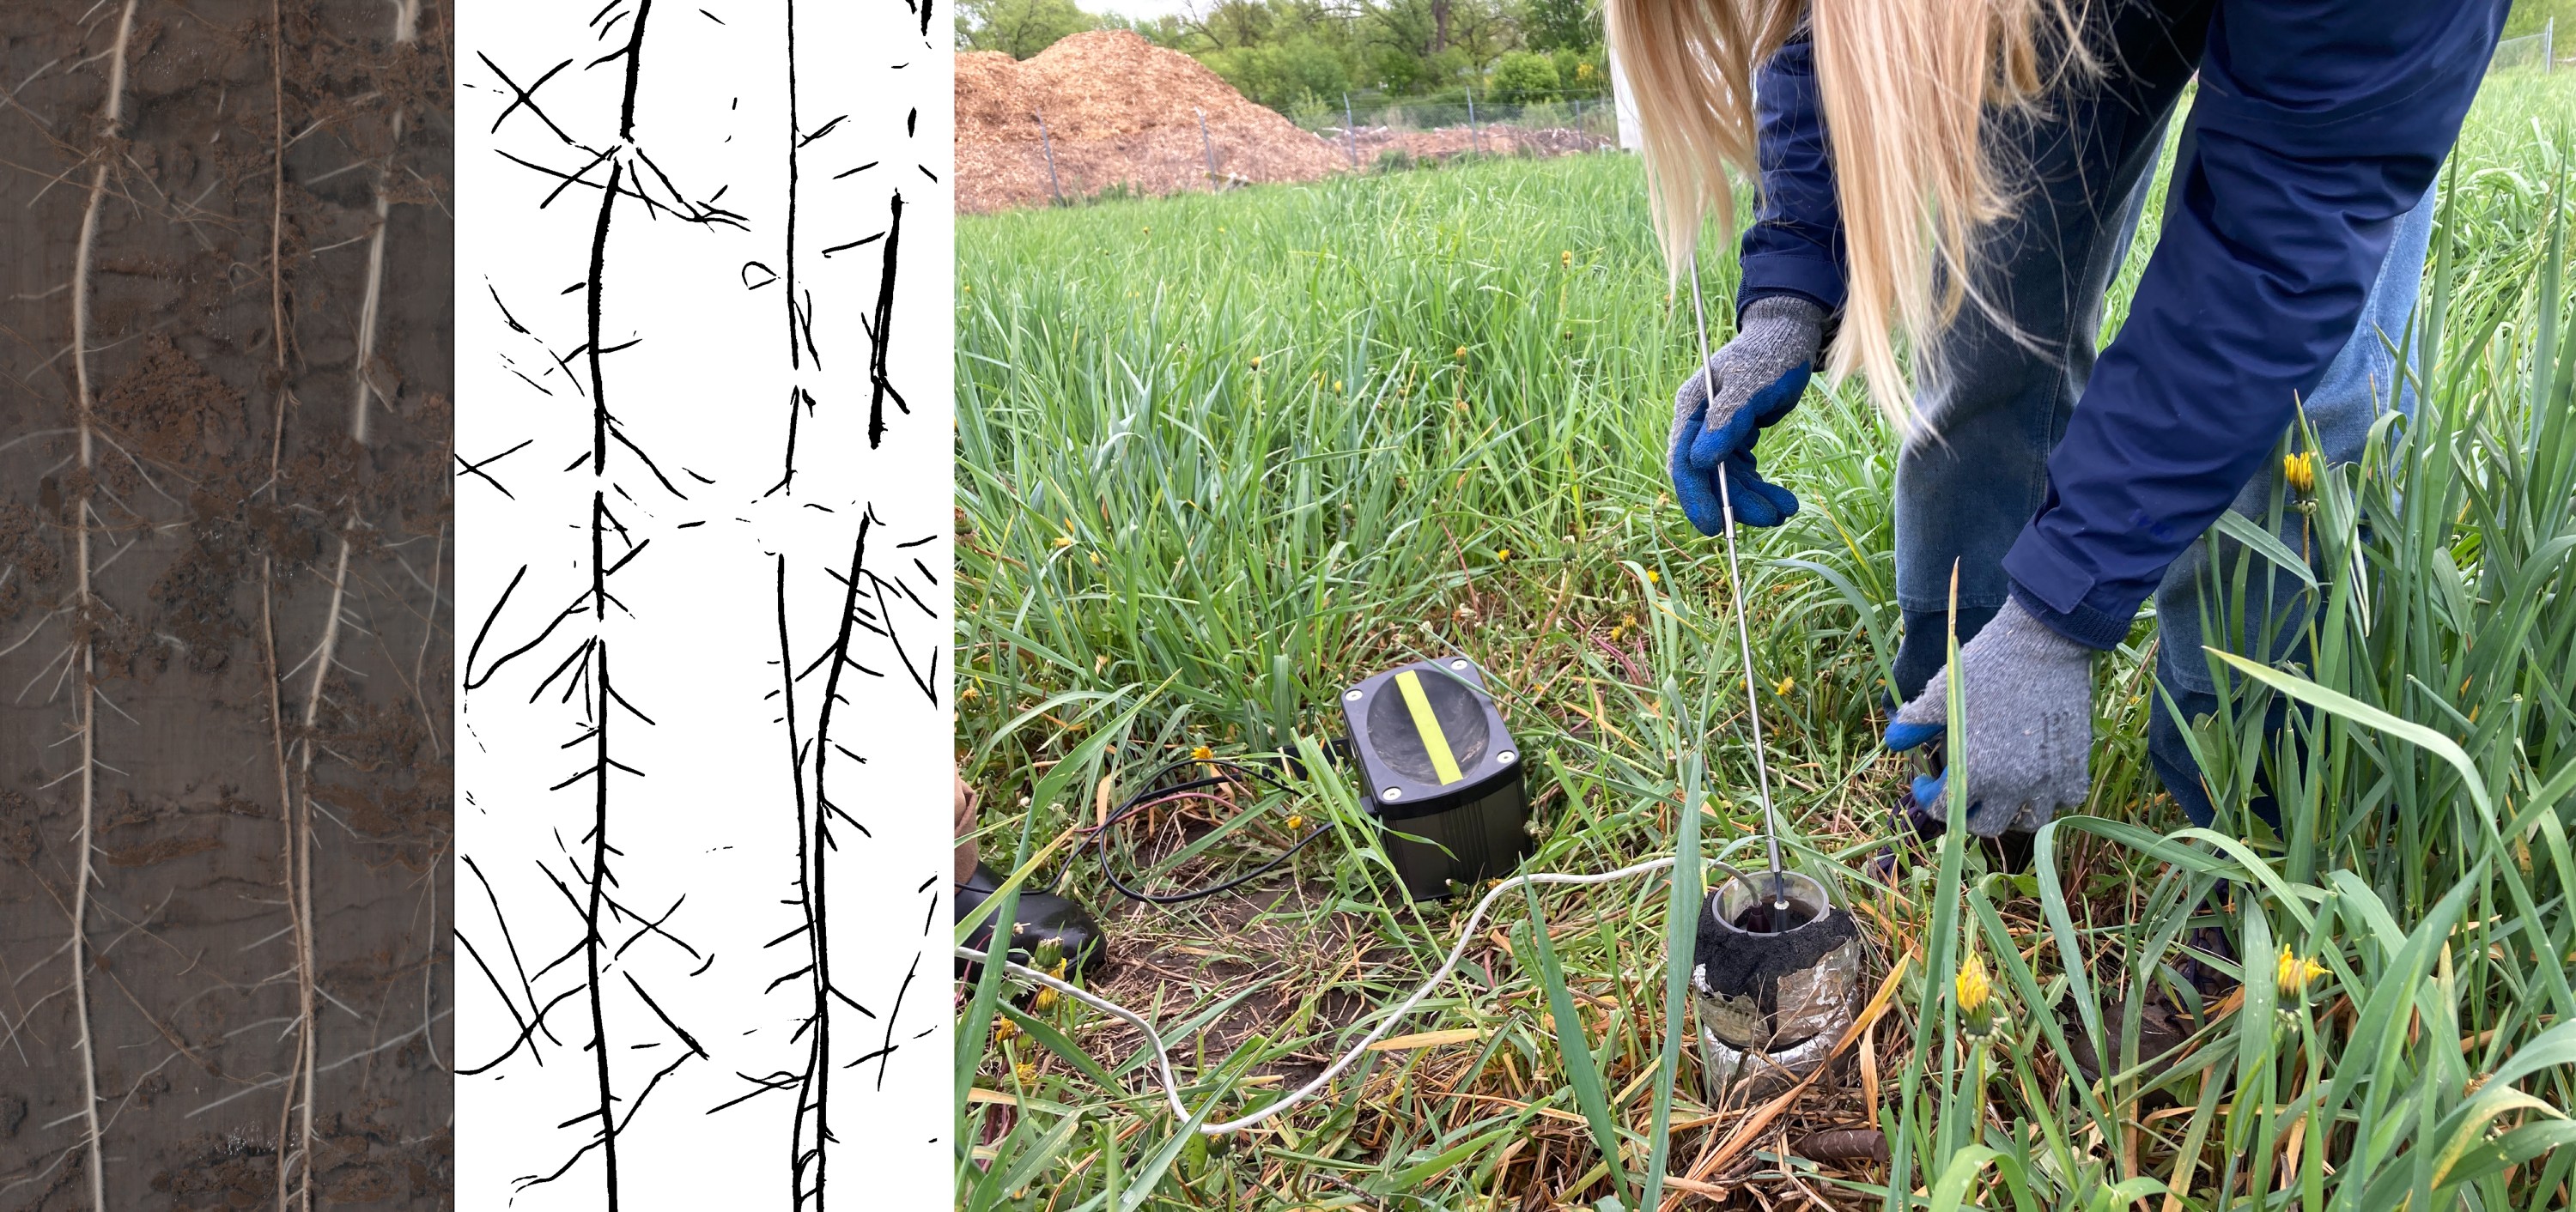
<point x="1230" y="773"/>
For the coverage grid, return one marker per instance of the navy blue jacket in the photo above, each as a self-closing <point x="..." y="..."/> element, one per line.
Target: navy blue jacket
<point x="2318" y="124"/>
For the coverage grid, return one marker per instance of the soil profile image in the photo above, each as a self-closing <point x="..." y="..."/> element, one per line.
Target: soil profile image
<point x="226" y="559"/>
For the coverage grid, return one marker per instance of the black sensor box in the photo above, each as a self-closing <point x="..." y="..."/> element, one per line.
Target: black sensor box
<point x="1443" y="776"/>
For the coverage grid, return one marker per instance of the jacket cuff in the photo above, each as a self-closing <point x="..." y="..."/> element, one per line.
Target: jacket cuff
<point x="2062" y="595"/>
<point x="1767" y="275"/>
<point x="2087" y="625"/>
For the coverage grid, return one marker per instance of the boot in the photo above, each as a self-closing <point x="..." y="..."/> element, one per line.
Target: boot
<point x="1042" y="917"/>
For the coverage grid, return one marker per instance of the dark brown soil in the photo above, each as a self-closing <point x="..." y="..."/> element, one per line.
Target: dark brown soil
<point x="223" y="484"/>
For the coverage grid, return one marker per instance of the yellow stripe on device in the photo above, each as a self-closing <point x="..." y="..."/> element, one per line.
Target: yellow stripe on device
<point x="1434" y="741"/>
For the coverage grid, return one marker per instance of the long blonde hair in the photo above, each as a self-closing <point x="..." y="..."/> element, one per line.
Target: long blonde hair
<point x="1908" y="87"/>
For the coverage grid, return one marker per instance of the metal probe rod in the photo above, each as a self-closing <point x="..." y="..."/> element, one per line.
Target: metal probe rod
<point x="1743" y="632"/>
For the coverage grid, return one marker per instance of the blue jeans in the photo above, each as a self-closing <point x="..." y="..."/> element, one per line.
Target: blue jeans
<point x="1997" y="390"/>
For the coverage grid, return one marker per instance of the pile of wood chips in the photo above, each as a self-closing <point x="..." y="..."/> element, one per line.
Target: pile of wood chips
<point x="1119" y="112"/>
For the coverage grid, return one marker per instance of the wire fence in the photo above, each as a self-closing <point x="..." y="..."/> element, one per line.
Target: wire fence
<point x="1380" y="130"/>
<point x="2530" y="52"/>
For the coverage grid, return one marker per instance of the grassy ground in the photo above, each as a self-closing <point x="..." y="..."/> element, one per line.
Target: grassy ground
<point x="1220" y="456"/>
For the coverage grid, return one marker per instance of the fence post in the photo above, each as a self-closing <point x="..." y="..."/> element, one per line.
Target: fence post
<point x="2549" y="46"/>
<point x="1475" y="134"/>
<point x="1350" y="131"/>
<point x="1210" y="149"/>
<point x="1046" y="143"/>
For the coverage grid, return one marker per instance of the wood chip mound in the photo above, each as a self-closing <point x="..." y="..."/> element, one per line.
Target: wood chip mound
<point x="1120" y="112"/>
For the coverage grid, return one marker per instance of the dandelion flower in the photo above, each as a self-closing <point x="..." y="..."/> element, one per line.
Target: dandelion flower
<point x="1025" y="1072"/>
<point x="2292" y="975"/>
<point x="1786" y="685"/>
<point x="1004" y="1029"/>
<point x="1503" y="554"/>
<point x="1462" y="353"/>
<point x="1973" y="989"/>
<point x="1337" y="387"/>
<point x="1202" y="754"/>
<point x="1296" y="821"/>
<point x="1064" y="540"/>
<point x="1653" y="577"/>
<point x="1565" y="259"/>
<point x="1044" y="1001"/>
<point x="2301" y="471"/>
<point x="1256" y="361"/>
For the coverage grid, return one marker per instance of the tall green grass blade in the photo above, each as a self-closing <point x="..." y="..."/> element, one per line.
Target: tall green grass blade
<point x="1681" y="930"/>
<point x="1573" y="1047"/>
<point x="2363" y="713"/>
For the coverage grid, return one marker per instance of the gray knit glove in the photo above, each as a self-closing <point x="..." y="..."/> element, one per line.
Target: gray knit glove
<point x="1760" y="375"/>
<point x="2029" y="732"/>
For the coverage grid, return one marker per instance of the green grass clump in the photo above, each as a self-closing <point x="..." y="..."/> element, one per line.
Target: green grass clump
<point x="1220" y="456"/>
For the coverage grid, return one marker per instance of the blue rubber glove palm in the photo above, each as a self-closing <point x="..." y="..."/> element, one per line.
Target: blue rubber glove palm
<point x="2029" y="734"/>
<point x="1759" y="376"/>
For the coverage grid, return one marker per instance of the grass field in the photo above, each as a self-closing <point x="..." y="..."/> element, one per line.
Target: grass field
<point x="1219" y="456"/>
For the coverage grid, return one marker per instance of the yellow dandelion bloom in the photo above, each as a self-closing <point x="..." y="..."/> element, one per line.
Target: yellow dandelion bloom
<point x="1462" y="353"/>
<point x="1337" y="387"/>
<point x="1653" y="577"/>
<point x="1064" y="540"/>
<point x="1503" y="553"/>
<point x="2292" y="975"/>
<point x="1785" y="685"/>
<point x="1025" y="1072"/>
<point x="1256" y="361"/>
<point x="1296" y="821"/>
<point x="1202" y="754"/>
<point x="1045" y="1000"/>
<point x="1004" y="1029"/>
<point x="2301" y="471"/>
<point x="1566" y="259"/>
<point x="1972" y="986"/>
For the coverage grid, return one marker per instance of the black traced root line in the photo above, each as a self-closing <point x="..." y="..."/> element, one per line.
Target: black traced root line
<point x="880" y="332"/>
<point x="598" y="267"/>
<point x="677" y="1029"/>
<point x="599" y="890"/>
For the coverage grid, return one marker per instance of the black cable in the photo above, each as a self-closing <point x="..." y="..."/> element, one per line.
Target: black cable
<point x="1233" y="773"/>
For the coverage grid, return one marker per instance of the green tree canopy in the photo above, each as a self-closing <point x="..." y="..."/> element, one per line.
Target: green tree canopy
<point x="1548" y="25"/>
<point x="1018" y="28"/>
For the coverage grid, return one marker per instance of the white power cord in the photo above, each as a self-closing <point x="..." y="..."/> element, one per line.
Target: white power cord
<point x="1163" y="1059"/>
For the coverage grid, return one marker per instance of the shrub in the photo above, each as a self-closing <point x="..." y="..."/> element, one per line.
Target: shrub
<point x="1524" y="76"/>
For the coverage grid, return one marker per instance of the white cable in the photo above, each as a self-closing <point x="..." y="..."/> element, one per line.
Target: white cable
<point x="1163" y="1059"/>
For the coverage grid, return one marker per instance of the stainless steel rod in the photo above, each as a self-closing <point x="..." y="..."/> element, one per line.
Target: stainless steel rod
<point x="1743" y="632"/>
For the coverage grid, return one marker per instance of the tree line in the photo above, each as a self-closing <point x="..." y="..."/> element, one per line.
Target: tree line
<point x="1294" y="54"/>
